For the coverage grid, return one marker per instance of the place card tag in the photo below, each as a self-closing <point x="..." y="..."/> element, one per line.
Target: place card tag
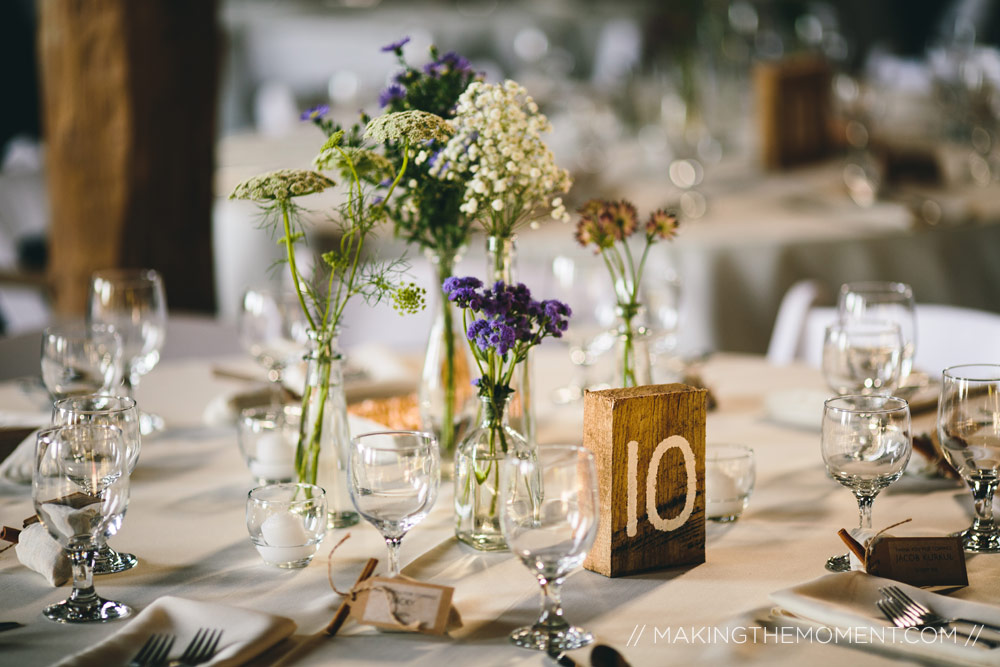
<point x="919" y="561"/>
<point x="405" y="605"/>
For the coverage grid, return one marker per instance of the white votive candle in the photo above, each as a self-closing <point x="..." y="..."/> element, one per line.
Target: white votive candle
<point x="723" y="494"/>
<point x="285" y="538"/>
<point x="274" y="458"/>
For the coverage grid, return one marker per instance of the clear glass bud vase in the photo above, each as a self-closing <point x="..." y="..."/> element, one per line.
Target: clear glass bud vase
<point x="477" y="475"/>
<point x="501" y="254"/>
<point x="446" y="393"/>
<point x="324" y="435"/>
<point x="633" y="368"/>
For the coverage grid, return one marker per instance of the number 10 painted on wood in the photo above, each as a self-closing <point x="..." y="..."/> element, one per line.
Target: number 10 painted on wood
<point x="649" y="446"/>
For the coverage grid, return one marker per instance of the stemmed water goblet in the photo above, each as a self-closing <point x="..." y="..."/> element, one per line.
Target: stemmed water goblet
<point x="78" y="359"/>
<point x="549" y="517"/>
<point x="274" y="330"/>
<point x="80" y="485"/>
<point x="394" y="479"/>
<point x="969" y="431"/>
<point x="120" y="412"/>
<point x="888" y="301"/>
<point x="866" y="444"/>
<point x="133" y="303"/>
<point x="862" y="356"/>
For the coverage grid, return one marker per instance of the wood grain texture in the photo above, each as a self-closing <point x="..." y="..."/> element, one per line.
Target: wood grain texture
<point x="129" y="102"/>
<point x="650" y="418"/>
<point x="793" y="111"/>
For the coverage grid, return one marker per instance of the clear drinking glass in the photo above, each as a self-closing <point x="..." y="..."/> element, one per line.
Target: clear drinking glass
<point x="77" y="359"/>
<point x="969" y="431"/>
<point x="287" y="523"/>
<point x="80" y="485"/>
<point x="866" y="445"/>
<point x="274" y="330"/>
<point x="394" y="482"/>
<point x="121" y="412"/>
<point x="883" y="300"/>
<point x="550" y="528"/>
<point x="268" y="437"/>
<point x="862" y="356"/>
<point x="730" y="474"/>
<point x="133" y="303"/>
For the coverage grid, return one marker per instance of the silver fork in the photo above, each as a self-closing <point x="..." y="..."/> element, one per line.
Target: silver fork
<point x="154" y="652"/>
<point x="922" y="612"/>
<point x="201" y="649"/>
<point x="893" y="610"/>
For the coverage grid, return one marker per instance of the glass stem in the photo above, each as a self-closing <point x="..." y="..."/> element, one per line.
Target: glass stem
<point x="83" y="595"/>
<point x="865" y="511"/>
<point x="551" y="618"/>
<point x="393" y="544"/>
<point x="128" y="384"/>
<point x="982" y="495"/>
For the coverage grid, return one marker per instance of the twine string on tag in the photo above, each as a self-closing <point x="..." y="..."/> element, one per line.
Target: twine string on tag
<point x="345" y="606"/>
<point x="329" y="566"/>
<point x="871" y="542"/>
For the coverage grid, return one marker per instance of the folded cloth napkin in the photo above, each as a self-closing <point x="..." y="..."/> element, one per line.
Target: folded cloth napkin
<point x="245" y="633"/>
<point x="17" y="467"/>
<point x="846" y="602"/>
<point x="39" y="551"/>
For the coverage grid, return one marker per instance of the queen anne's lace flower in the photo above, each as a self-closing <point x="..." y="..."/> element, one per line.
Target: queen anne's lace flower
<point x="417" y="126"/>
<point x="281" y="185"/>
<point x="497" y="150"/>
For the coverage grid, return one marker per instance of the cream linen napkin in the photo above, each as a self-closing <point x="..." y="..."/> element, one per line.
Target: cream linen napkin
<point x="245" y="633"/>
<point x="39" y="551"/>
<point x="17" y="467"/>
<point x="846" y="601"/>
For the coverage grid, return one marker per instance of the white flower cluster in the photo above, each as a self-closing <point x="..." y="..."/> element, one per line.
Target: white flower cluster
<point x="497" y="150"/>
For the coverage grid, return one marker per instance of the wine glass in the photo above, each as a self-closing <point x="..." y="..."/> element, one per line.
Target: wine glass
<point x="394" y="482"/>
<point x="969" y="431"/>
<point x="77" y="359"/>
<point x="883" y="300"/>
<point x="132" y="302"/>
<point x="549" y="518"/>
<point x="866" y="445"/>
<point x="121" y="412"/>
<point x="662" y="294"/>
<point x="274" y="330"/>
<point x="862" y="356"/>
<point x="80" y="485"/>
<point x="584" y="288"/>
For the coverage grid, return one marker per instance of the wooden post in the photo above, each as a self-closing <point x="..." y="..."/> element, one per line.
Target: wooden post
<point x="129" y="102"/>
<point x="649" y="446"/>
<point x="793" y="111"/>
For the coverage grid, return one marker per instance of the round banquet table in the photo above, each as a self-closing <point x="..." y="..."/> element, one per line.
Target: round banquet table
<point x="186" y="524"/>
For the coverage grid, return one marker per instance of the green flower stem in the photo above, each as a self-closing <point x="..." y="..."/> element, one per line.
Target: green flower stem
<point x="290" y="252"/>
<point x="447" y="266"/>
<point x="307" y="458"/>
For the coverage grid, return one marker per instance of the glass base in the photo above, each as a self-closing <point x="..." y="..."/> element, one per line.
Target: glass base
<point x="109" y="561"/>
<point x="840" y="563"/>
<point x="483" y="542"/>
<point x="342" y="519"/>
<point x="550" y="641"/>
<point x="150" y="424"/>
<point x="729" y="518"/>
<point x="979" y="542"/>
<point x="102" y="610"/>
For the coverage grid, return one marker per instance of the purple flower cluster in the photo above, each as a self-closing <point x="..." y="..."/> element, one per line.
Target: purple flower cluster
<point x="396" y="46"/>
<point x="392" y="93"/>
<point x="507" y="315"/>
<point x="316" y="112"/>
<point x="449" y="62"/>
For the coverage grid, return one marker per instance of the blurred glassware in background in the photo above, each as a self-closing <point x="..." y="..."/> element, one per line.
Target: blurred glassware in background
<point x="582" y="284"/>
<point x="273" y="329"/>
<point x="133" y="303"/>
<point x="888" y="301"/>
<point x="662" y="294"/>
<point x="862" y="356"/>
<point x="79" y="359"/>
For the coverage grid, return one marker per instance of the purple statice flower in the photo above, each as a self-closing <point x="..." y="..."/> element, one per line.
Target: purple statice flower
<point x="315" y="112"/>
<point x="396" y="46"/>
<point x="392" y="93"/>
<point x="464" y="292"/>
<point x="455" y="62"/>
<point x="556" y="317"/>
<point x="494" y="334"/>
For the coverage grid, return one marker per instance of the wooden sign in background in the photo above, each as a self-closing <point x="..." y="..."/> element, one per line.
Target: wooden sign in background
<point x="649" y="446"/>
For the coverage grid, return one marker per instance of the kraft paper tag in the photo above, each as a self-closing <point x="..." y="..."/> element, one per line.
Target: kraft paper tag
<point x="919" y="561"/>
<point x="405" y="605"/>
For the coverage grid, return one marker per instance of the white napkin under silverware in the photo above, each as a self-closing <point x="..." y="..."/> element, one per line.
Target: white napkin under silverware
<point x="847" y="601"/>
<point x="39" y="551"/>
<point x="245" y="633"/>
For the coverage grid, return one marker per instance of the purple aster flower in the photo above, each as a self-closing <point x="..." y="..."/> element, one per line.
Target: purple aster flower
<point x="392" y="93"/>
<point x="396" y="46"/>
<point x="315" y="112"/>
<point x="455" y="62"/>
<point x="431" y="69"/>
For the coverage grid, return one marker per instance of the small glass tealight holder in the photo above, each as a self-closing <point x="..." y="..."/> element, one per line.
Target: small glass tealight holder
<point x="287" y="522"/>
<point x="267" y="437"/>
<point x="730" y="473"/>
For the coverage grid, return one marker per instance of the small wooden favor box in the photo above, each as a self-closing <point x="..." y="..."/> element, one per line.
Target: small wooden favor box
<point x="649" y="446"/>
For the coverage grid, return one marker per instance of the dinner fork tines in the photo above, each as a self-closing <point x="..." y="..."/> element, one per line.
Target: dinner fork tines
<point x="154" y="652"/>
<point x="924" y="614"/>
<point x="201" y="649"/>
<point x="894" y="611"/>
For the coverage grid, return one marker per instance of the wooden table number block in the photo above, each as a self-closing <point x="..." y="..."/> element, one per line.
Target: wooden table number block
<point x="649" y="446"/>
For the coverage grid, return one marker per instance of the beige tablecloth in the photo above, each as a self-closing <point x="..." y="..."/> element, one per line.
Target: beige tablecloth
<point x="186" y="524"/>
